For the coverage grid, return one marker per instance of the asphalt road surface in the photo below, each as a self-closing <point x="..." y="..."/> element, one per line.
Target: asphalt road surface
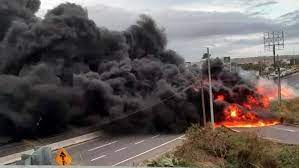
<point x="122" y="151"/>
<point x="131" y="150"/>
<point x="134" y="149"/>
<point x="278" y="133"/>
<point x="293" y="80"/>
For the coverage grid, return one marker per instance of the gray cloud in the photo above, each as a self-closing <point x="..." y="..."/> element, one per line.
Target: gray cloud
<point x="290" y="14"/>
<point x="265" y="4"/>
<point x="180" y="24"/>
<point x="189" y="32"/>
<point x="291" y="18"/>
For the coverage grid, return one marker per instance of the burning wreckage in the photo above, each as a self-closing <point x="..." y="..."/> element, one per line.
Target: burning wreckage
<point x="63" y="70"/>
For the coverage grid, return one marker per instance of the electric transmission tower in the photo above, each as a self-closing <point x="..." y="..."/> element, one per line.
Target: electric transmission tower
<point x="275" y="41"/>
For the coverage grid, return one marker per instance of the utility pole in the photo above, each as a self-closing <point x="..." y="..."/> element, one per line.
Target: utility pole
<point x="203" y="99"/>
<point x="260" y="64"/>
<point x="210" y="89"/>
<point x="275" y="40"/>
<point x="207" y="56"/>
<point x="274" y="53"/>
<point x="279" y="83"/>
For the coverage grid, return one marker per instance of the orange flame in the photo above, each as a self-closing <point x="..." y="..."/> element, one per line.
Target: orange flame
<point x="243" y="116"/>
<point x="252" y="111"/>
<point x="242" y="124"/>
<point x="269" y="89"/>
<point x="265" y="102"/>
<point x="219" y="98"/>
<point x="236" y="117"/>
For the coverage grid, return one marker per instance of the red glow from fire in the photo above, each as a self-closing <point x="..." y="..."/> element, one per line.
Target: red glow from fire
<point x="236" y="117"/>
<point x="269" y="89"/>
<point x="265" y="102"/>
<point x="241" y="108"/>
<point x="243" y="124"/>
<point x="219" y="98"/>
<point x="251" y="100"/>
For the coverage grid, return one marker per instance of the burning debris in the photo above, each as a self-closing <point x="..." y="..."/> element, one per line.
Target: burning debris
<point x="239" y="102"/>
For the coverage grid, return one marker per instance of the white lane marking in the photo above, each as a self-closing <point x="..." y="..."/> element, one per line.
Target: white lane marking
<point x="120" y="149"/>
<point x="283" y="129"/>
<point x="139" y="142"/>
<point x="101" y="146"/>
<point x="183" y="138"/>
<point x="98" y="158"/>
<point x="116" y="164"/>
<point x="272" y="139"/>
<point x="156" y="136"/>
<point x="235" y="130"/>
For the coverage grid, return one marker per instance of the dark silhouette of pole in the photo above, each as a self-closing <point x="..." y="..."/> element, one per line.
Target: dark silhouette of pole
<point x="279" y="82"/>
<point x="210" y="89"/>
<point x="274" y="52"/>
<point x="203" y="100"/>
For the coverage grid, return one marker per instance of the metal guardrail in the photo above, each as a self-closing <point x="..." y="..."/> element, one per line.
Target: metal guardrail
<point x="54" y="146"/>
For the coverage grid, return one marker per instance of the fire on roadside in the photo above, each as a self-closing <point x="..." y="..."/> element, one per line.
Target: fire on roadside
<point x="245" y="106"/>
<point x="235" y="116"/>
<point x="255" y="110"/>
<point x="269" y="89"/>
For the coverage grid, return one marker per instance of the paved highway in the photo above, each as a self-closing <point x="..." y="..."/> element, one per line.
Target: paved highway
<point x="131" y="150"/>
<point x="293" y="80"/>
<point x="278" y="133"/>
<point x="122" y="151"/>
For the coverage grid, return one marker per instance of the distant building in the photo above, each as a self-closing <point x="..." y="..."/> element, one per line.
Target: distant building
<point x="294" y="61"/>
<point x="188" y="64"/>
<point x="286" y="61"/>
<point x="267" y="60"/>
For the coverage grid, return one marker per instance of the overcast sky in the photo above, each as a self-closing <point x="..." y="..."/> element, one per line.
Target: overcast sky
<point x="229" y="27"/>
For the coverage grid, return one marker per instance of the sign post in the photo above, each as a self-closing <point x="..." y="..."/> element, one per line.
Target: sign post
<point x="63" y="158"/>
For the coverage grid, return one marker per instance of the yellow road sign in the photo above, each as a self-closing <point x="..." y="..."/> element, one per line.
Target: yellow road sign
<point x="63" y="158"/>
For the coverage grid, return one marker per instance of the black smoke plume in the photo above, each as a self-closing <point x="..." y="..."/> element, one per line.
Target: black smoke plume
<point x="64" y="70"/>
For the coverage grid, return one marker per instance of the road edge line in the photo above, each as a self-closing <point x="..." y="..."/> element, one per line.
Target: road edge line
<point x="140" y="154"/>
<point x="54" y="146"/>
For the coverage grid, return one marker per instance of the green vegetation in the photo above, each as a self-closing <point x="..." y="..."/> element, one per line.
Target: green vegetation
<point x="289" y="110"/>
<point x="169" y="160"/>
<point x="253" y="67"/>
<point x="224" y="148"/>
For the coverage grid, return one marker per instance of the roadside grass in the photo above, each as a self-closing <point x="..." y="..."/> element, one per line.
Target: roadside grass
<point x="223" y="148"/>
<point x="289" y="110"/>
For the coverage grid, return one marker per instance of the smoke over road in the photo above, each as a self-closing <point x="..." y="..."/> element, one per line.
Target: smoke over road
<point x="64" y="70"/>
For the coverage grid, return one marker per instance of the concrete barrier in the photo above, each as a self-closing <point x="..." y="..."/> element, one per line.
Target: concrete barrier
<point x="54" y="146"/>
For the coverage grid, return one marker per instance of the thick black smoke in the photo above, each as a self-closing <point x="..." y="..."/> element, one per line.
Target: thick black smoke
<point x="64" y="70"/>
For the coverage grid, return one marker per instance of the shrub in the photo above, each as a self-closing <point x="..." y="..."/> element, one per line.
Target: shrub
<point x="289" y="157"/>
<point x="169" y="160"/>
<point x="221" y="147"/>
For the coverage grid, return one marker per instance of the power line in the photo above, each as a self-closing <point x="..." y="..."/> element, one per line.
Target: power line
<point x="151" y="106"/>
